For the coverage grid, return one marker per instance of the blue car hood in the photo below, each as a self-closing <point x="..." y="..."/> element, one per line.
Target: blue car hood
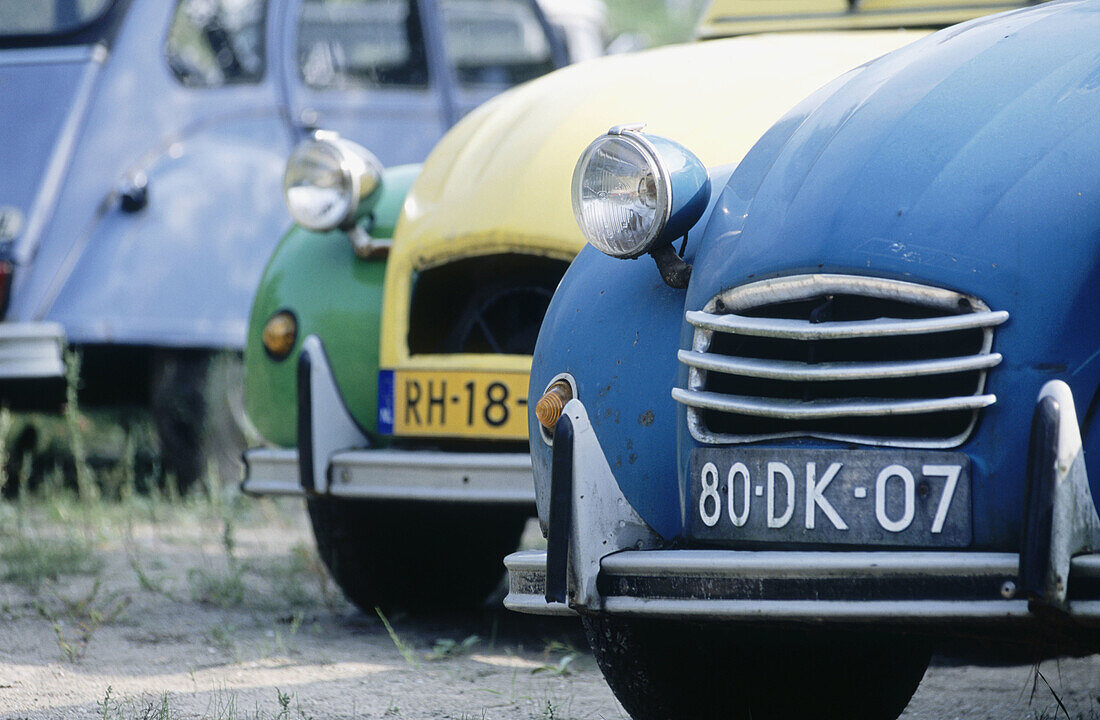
<point x="968" y="160"/>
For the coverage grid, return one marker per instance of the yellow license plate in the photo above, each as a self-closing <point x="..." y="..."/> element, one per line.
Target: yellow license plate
<point x="457" y="404"/>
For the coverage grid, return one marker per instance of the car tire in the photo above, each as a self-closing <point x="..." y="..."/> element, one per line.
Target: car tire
<point x="664" y="670"/>
<point x="414" y="555"/>
<point x="197" y="404"/>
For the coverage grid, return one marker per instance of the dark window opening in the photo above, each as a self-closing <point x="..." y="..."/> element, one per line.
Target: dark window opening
<point x="212" y="43"/>
<point x="361" y="43"/>
<point x="492" y="304"/>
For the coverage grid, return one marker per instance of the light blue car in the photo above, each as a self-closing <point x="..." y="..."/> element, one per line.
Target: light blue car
<point x="141" y="161"/>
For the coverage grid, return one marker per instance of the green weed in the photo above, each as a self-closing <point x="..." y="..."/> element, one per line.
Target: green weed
<point x="558" y="669"/>
<point x="284" y="644"/>
<point x="224" y="588"/>
<point x="87" y="489"/>
<point x="76" y="620"/>
<point x="402" y="647"/>
<point x="446" y="648"/>
<point x="222" y="706"/>
<point x="31" y="561"/>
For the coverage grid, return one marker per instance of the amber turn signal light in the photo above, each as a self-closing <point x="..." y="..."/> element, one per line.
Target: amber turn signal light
<point x="280" y="332"/>
<point x="550" y="405"/>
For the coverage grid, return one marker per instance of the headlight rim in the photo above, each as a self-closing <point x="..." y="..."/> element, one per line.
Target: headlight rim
<point x="633" y="136"/>
<point x="360" y="168"/>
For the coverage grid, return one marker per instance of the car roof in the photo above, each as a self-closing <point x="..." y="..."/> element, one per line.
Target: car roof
<point x="724" y="18"/>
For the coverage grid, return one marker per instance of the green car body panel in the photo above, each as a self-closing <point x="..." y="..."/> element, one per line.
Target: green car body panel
<point x="333" y="295"/>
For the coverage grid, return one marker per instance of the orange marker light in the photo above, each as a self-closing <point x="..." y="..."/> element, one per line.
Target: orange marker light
<point x="550" y="405"/>
<point x="280" y="332"/>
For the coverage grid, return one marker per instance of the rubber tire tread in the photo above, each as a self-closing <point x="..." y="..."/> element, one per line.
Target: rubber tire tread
<point x="668" y="670"/>
<point x="194" y="416"/>
<point x="414" y="555"/>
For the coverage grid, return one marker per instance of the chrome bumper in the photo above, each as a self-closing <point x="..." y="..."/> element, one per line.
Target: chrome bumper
<point x="602" y="557"/>
<point x="399" y="475"/>
<point x="30" y="350"/>
<point x="329" y="459"/>
<point x="805" y="586"/>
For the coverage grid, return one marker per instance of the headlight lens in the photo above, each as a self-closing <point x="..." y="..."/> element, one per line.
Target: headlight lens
<point x="621" y="195"/>
<point x="326" y="178"/>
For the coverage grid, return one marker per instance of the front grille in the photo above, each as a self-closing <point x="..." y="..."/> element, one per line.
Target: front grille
<point x="490" y="304"/>
<point x="839" y="357"/>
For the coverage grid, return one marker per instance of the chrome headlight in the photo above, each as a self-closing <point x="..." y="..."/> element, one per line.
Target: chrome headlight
<point x="634" y="192"/>
<point x="326" y="180"/>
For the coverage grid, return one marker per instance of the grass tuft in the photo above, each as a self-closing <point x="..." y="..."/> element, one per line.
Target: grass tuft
<point x="402" y="647"/>
<point x="224" y="588"/>
<point x="31" y="561"/>
<point x="446" y="648"/>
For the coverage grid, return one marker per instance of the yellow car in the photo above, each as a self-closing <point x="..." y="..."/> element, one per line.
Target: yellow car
<point x="390" y="374"/>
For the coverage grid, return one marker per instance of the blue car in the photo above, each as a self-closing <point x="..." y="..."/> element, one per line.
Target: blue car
<point x="142" y="156"/>
<point x="841" y="416"/>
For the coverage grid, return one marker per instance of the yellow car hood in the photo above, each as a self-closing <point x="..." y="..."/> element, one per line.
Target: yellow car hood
<point x="500" y="179"/>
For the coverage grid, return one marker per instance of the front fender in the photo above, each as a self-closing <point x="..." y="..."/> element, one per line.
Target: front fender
<point x="333" y="295"/>
<point x="614" y="326"/>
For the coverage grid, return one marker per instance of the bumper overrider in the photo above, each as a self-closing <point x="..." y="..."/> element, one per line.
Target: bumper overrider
<point x="31" y="350"/>
<point x="602" y="557"/>
<point x="334" y="456"/>
<point x="32" y="365"/>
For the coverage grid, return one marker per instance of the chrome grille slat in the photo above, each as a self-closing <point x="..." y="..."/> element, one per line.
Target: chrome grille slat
<point x="784" y="370"/>
<point x="805" y="330"/>
<point x="839" y="357"/>
<point x="825" y="409"/>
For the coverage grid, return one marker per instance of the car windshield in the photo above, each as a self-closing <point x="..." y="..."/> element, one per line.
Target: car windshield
<point x="495" y="42"/>
<point x="43" y="18"/>
<point x="361" y="43"/>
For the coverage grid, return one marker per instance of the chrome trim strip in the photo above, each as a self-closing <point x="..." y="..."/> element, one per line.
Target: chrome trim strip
<point x="527" y="583"/>
<point x="823" y="409"/>
<point x="1085" y="609"/>
<point x="49" y="189"/>
<point x="846" y="610"/>
<point x="503" y="478"/>
<point x="1086" y="565"/>
<point x="794" y="371"/>
<point x="847" y="16"/>
<point x="805" y="330"/>
<point x="527" y="572"/>
<point x="433" y="476"/>
<point x="58" y="54"/>
<point x="271" y="471"/>
<point x="31" y="350"/>
<point x="802" y="287"/>
<point x="777" y="564"/>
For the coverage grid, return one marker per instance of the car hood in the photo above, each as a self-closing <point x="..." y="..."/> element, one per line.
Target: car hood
<point x="500" y="179"/>
<point x="507" y="167"/>
<point x="968" y="160"/>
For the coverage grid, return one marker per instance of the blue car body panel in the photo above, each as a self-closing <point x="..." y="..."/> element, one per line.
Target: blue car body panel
<point x="79" y="120"/>
<point x="967" y="161"/>
<point x="611" y="325"/>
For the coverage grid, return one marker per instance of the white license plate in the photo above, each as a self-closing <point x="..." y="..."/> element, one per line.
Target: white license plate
<point x="868" y="497"/>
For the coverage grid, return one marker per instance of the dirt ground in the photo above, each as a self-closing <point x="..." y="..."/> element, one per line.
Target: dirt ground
<point x="196" y="613"/>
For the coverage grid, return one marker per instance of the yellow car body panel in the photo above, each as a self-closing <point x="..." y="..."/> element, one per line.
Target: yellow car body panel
<point x="499" y="182"/>
<point x="737" y="17"/>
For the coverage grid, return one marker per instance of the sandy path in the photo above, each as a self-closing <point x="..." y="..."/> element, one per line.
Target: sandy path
<point x="287" y="632"/>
